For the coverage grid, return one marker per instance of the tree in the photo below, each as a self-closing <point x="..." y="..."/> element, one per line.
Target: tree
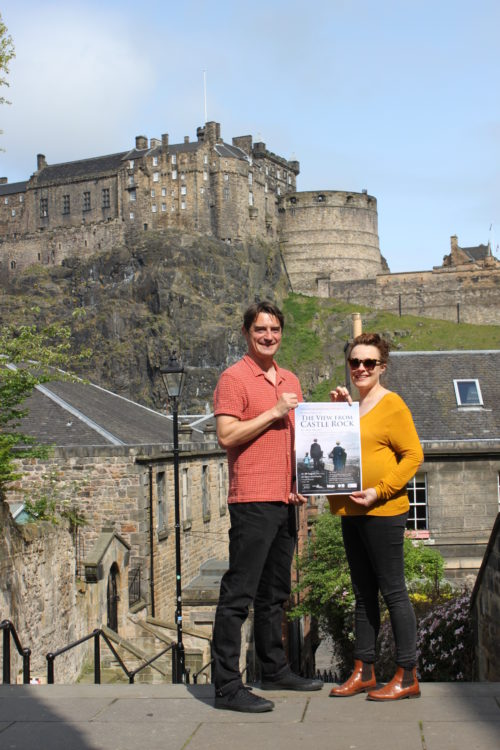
<point x="6" y="55"/>
<point x="46" y="349"/>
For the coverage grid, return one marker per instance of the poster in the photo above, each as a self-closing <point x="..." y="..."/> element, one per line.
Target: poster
<point x="327" y="448"/>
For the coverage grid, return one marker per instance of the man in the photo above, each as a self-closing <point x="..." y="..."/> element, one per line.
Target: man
<point x="254" y="404"/>
<point x="316" y="454"/>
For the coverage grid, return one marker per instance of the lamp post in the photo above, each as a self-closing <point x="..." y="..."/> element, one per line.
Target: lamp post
<point x="173" y="378"/>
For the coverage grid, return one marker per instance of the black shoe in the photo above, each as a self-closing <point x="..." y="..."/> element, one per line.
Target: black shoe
<point x="243" y="700"/>
<point x="291" y="681"/>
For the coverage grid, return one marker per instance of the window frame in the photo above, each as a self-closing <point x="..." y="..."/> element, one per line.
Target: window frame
<point x="418" y="484"/>
<point x="475" y="381"/>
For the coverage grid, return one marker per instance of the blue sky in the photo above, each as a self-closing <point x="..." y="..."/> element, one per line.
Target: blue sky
<point x="401" y="98"/>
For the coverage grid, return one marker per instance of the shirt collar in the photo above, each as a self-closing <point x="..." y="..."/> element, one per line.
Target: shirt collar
<point x="257" y="371"/>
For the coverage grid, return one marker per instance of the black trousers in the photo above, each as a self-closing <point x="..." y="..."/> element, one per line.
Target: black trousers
<point x="374" y="549"/>
<point x="261" y="544"/>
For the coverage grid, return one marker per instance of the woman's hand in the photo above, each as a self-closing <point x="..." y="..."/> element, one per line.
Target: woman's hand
<point x="340" y="393"/>
<point x="367" y="497"/>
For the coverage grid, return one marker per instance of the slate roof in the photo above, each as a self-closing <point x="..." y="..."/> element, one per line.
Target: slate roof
<point x="12" y="188"/>
<point x="82" y="414"/>
<point x="425" y="381"/>
<point x="224" y="149"/>
<point x="478" y="252"/>
<point x="83" y="168"/>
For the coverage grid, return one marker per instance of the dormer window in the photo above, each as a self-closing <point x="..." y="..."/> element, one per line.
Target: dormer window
<point x="468" y="392"/>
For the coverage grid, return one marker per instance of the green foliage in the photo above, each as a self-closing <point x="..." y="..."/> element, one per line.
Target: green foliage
<point x="324" y="587"/>
<point x="6" y="55"/>
<point x="50" y="501"/>
<point x="46" y="349"/>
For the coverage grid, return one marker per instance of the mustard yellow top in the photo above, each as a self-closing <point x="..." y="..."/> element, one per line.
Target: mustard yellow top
<point x="390" y="456"/>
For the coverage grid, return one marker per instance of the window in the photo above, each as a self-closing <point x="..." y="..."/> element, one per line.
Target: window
<point x="174" y="159"/>
<point x="205" y="159"/>
<point x="12" y="264"/>
<point x="250" y="199"/>
<point x="278" y="190"/>
<point x="131" y="164"/>
<point x="155" y="161"/>
<point x="183" y="205"/>
<point x="183" y="176"/>
<point x="226" y="177"/>
<point x="153" y="193"/>
<point x="278" y="174"/>
<point x="154" y="208"/>
<point x="225" y="193"/>
<point x="417" y="495"/>
<point x="106" y="202"/>
<point x="174" y="174"/>
<point x="131" y="180"/>
<point x="468" y="392"/>
<point x="163" y="206"/>
<point x="205" y="493"/>
<point x="66" y="204"/>
<point x="6" y="201"/>
<point x="13" y="212"/>
<point x="86" y="201"/>
<point x="205" y="176"/>
<point x="132" y="195"/>
<point x="161" y="501"/>
<point x="267" y="171"/>
<point x="131" y="215"/>
<point x="250" y="179"/>
<point x="222" y="489"/>
<point x="164" y="191"/>
<point x="44" y="207"/>
<point x="21" y="199"/>
<point x="156" y="176"/>
<point x="266" y="188"/>
<point x="183" y="190"/>
<point x="185" y="499"/>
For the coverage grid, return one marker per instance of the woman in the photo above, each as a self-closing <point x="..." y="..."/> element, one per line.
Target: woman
<point x="374" y="522"/>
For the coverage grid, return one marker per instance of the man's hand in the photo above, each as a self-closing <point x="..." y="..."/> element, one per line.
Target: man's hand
<point x="232" y="431"/>
<point x="286" y="402"/>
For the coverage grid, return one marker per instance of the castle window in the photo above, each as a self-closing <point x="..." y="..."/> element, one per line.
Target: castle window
<point x="155" y="161"/>
<point x="132" y="196"/>
<point x="153" y="208"/>
<point x="164" y="191"/>
<point x="183" y="190"/>
<point x="205" y="159"/>
<point x="202" y="191"/>
<point x="131" y="164"/>
<point x="225" y="193"/>
<point x="266" y="188"/>
<point x="250" y="199"/>
<point x="321" y="199"/>
<point x="183" y="176"/>
<point x="468" y="392"/>
<point x="12" y="264"/>
<point x="174" y="159"/>
<point x="293" y="199"/>
<point x="163" y="206"/>
<point x="205" y="175"/>
<point x="153" y="193"/>
<point x="13" y="212"/>
<point x="131" y="215"/>
<point x="6" y="201"/>
<point x="131" y="179"/>
<point x="289" y="179"/>
<point x="44" y="207"/>
<point x="174" y="174"/>
<point x="267" y="171"/>
<point x="183" y="204"/>
<point x="278" y="190"/>
<point x="86" y="201"/>
<point x="156" y="176"/>
<point x="226" y="177"/>
<point x="278" y="174"/>
<point x="66" y="204"/>
<point x="21" y="199"/>
<point x="106" y="201"/>
<point x="250" y="179"/>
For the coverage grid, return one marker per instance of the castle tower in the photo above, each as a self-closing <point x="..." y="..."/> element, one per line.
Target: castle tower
<point x="332" y="234"/>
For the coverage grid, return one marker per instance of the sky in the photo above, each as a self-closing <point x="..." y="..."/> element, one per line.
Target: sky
<point x="399" y="98"/>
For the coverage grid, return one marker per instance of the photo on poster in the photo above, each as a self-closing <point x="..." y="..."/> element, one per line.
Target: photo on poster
<point x="327" y="448"/>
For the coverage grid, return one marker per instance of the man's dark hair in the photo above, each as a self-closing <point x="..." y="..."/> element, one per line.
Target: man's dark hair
<point x="262" y="307"/>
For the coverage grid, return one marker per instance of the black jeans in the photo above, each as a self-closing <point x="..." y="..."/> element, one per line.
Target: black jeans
<point x="374" y="549"/>
<point x="261" y="544"/>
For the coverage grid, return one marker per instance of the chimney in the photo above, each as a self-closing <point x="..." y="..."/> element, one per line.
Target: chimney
<point x="357" y="325"/>
<point x="4" y="180"/>
<point x="186" y="139"/>
<point x="200" y="134"/>
<point x="154" y="142"/>
<point x="141" y="142"/>
<point x="164" y="140"/>
<point x="454" y="243"/>
<point x="40" y="162"/>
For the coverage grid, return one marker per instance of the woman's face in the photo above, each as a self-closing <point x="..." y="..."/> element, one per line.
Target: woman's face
<point x="365" y="375"/>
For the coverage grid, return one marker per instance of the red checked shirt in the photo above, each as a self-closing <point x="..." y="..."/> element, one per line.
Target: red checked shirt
<point x="262" y="469"/>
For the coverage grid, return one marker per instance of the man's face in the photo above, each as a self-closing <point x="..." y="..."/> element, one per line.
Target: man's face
<point x="264" y="336"/>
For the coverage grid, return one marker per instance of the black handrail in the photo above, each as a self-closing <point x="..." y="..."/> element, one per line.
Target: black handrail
<point x="8" y="631"/>
<point x="204" y="667"/>
<point x="96" y="635"/>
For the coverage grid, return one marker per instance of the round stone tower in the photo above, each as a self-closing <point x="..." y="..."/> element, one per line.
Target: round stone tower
<point x="327" y="235"/>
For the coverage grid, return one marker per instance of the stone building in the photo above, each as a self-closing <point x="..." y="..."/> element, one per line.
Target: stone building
<point x="485" y="602"/>
<point x="454" y="397"/>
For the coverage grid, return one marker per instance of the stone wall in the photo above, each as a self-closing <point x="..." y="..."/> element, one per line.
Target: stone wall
<point x="486" y="611"/>
<point x="462" y="493"/>
<point x="40" y="594"/>
<point x="332" y="234"/>
<point x="468" y="296"/>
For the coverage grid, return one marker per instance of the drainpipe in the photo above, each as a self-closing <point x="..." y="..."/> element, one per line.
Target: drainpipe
<point x="357" y="330"/>
<point x="151" y="541"/>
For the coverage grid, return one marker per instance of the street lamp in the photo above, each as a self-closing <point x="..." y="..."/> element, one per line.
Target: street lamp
<point x="173" y="378"/>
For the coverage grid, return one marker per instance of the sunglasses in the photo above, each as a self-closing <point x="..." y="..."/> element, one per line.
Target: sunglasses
<point x="368" y="364"/>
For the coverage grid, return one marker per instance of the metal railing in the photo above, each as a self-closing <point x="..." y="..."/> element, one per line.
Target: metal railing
<point x="9" y="632"/>
<point x="134" y="586"/>
<point x="97" y="634"/>
<point x="203" y="669"/>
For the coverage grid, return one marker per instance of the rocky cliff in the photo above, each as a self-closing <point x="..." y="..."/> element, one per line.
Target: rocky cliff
<point x="136" y="304"/>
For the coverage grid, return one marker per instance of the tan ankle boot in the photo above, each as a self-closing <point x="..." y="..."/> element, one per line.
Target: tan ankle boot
<point x="404" y="684"/>
<point x="361" y="680"/>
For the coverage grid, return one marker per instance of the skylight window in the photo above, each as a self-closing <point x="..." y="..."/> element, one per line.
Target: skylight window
<point x="468" y="392"/>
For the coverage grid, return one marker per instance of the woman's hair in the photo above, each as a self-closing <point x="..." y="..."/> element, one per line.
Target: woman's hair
<point x="372" y="339"/>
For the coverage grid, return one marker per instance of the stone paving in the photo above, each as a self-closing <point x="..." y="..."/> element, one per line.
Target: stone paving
<point x="448" y="716"/>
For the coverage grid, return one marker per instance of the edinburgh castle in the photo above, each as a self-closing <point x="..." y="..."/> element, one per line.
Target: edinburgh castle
<point x="233" y="192"/>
